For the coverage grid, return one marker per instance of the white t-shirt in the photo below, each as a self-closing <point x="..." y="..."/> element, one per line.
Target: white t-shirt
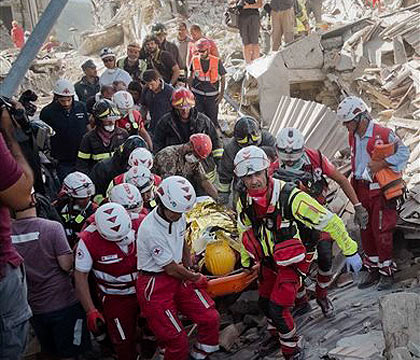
<point x="116" y="74"/>
<point x="159" y="242"/>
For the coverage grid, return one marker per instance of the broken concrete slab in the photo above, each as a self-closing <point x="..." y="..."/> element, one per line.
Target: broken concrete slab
<point x="304" y="54"/>
<point x="372" y="339"/>
<point x="400" y="56"/>
<point x="363" y="352"/>
<point x="230" y="335"/>
<point x="414" y="348"/>
<point x="400" y="353"/>
<point x="400" y="317"/>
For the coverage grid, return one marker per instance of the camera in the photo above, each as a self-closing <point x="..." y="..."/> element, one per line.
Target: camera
<point x="241" y="3"/>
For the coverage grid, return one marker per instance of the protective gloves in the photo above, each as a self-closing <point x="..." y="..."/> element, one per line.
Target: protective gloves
<point x="94" y="319"/>
<point x="354" y="262"/>
<point x="361" y="216"/>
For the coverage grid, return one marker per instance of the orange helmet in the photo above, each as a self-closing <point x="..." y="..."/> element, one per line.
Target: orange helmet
<point x="201" y="144"/>
<point x="202" y="44"/>
<point x="183" y="98"/>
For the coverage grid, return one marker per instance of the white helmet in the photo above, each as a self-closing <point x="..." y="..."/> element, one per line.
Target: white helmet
<point x="128" y="196"/>
<point x="106" y="52"/>
<point x="78" y="185"/>
<point x="290" y="144"/>
<point x="177" y="194"/>
<point x="112" y="221"/>
<point x="141" y="177"/>
<point x="350" y="107"/>
<point x="63" y="87"/>
<point x="250" y="160"/>
<point x="123" y="100"/>
<point x="141" y="156"/>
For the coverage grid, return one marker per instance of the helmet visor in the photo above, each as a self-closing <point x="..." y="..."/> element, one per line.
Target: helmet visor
<point x="184" y="103"/>
<point x="252" y="139"/>
<point x="289" y="155"/>
<point x="251" y="166"/>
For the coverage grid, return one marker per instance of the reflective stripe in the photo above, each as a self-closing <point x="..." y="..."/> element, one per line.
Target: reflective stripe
<point x="79" y="219"/>
<point x="288" y="343"/>
<point x="292" y="260"/>
<point x="301" y="294"/>
<point x="101" y="156"/>
<point x="197" y="355"/>
<point x="148" y="294"/>
<point x="23" y="238"/>
<point x="289" y="334"/>
<point x="83" y="155"/>
<point x="115" y="280"/>
<point x="211" y="175"/>
<point x="120" y="329"/>
<point x="217" y="153"/>
<point x="223" y="187"/>
<point x="172" y="320"/>
<point x="323" y="285"/>
<point x="374" y="186"/>
<point x="325" y="273"/>
<point x="201" y="298"/>
<point x="207" y="348"/>
<point x="202" y="93"/>
<point x="111" y="291"/>
<point x="77" y="332"/>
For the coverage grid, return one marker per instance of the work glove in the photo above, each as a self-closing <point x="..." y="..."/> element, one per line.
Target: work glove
<point x="202" y="282"/>
<point x="361" y="216"/>
<point x="94" y="319"/>
<point x="223" y="198"/>
<point x="354" y="262"/>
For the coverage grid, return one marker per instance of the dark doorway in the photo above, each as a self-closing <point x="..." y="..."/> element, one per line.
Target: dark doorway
<point x="6" y="16"/>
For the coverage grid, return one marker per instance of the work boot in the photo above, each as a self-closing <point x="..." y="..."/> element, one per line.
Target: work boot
<point x="327" y="307"/>
<point x="301" y="309"/>
<point x="367" y="279"/>
<point x="385" y="283"/>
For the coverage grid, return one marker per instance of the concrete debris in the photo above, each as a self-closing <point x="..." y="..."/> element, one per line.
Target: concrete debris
<point x="367" y="352"/>
<point x="400" y="353"/>
<point x="400" y="317"/>
<point x="414" y="348"/>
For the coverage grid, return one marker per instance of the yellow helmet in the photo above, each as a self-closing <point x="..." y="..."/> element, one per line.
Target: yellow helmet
<point x="219" y="258"/>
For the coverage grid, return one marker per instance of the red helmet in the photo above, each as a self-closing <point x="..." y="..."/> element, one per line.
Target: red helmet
<point x="202" y="44"/>
<point x="201" y="144"/>
<point x="183" y="98"/>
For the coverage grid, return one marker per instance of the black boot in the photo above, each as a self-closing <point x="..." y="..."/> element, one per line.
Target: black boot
<point x="385" y="283"/>
<point x="327" y="307"/>
<point x="368" y="279"/>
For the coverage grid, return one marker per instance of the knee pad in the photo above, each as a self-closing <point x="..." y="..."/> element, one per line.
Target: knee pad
<point x="325" y="255"/>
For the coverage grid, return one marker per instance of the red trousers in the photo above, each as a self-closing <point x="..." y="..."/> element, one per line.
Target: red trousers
<point x="377" y="237"/>
<point x="121" y="313"/>
<point x="278" y="290"/>
<point x="161" y="297"/>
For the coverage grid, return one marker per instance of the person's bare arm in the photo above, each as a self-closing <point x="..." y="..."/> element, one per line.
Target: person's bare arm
<point x="209" y="189"/>
<point x="344" y="183"/>
<point x="180" y="272"/>
<point x="186" y="255"/>
<point x="17" y="196"/>
<point x="82" y="290"/>
<point x="145" y="135"/>
<point x="175" y="74"/>
<point x="66" y="262"/>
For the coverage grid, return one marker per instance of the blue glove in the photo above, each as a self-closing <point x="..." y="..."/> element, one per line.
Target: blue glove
<point x="354" y="262"/>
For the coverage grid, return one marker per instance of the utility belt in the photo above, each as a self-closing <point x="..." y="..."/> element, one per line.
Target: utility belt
<point x="150" y="273"/>
<point x="202" y="93"/>
<point x="368" y="184"/>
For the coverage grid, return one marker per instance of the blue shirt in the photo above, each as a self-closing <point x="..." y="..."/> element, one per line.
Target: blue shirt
<point x="397" y="162"/>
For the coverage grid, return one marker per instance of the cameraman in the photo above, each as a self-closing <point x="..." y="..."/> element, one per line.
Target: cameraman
<point x="15" y="193"/>
<point x="249" y="28"/>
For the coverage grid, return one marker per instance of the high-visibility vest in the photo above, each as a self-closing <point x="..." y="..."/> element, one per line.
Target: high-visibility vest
<point x="212" y="74"/>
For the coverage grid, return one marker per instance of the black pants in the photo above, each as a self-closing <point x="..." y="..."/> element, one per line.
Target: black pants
<point x="208" y="106"/>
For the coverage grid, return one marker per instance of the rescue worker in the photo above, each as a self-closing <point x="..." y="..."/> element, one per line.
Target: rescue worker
<point x="143" y="179"/>
<point x="293" y="155"/>
<point x="177" y="126"/>
<point x="132" y="63"/>
<point x="186" y="160"/>
<point x="108" y="250"/>
<point x="207" y="81"/>
<point x="161" y="60"/>
<point x="101" y="142"/>
<point x="159" y="30"/>
<point x="165" y="286"/>
<point x="268" y="210"/>
<point x="246" y="132"/>
<point x="105" y="170"/>
<point x="131" y="119"/>
<point x="364" y="135"/>
<point x="70" y="122"/>
<point x="88" y="85"/>
<point x="197" y="34"/>
<point x="74" y="203"/>
<point x="17" y="34"/>
<point x="112" y="73"/>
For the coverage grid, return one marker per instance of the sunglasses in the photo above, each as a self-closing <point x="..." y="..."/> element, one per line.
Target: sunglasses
<point x="202" y="51"/>
<point x="107" y="60"/>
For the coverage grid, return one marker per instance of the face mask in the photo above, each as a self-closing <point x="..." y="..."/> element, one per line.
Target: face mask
<point x="109" y="128"/>
<point x="297" y="165"/>
<point x="191" y="158"/>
